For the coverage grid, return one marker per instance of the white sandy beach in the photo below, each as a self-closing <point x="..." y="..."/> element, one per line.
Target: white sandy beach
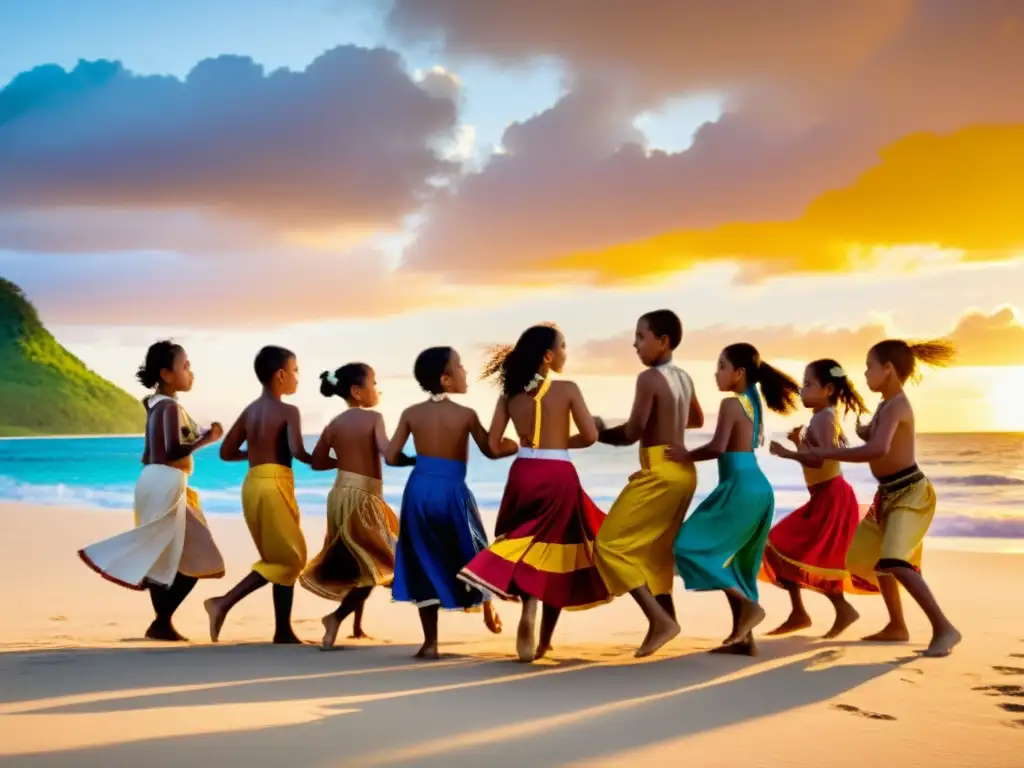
<point x="77" y="686"/>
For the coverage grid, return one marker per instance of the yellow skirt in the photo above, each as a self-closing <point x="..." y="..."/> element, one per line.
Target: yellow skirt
<point x="359" y="549"/>
<point x="634" y="545"/>
<point x="272" y="514"/>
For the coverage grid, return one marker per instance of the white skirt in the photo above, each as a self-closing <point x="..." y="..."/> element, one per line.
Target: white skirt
<point x="170" y="535"/>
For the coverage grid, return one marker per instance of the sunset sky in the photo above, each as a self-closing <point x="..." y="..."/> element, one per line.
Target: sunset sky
<point x="358" y="180"/>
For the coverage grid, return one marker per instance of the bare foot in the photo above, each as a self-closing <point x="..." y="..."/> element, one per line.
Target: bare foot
<point x="845" y="616"/>
<point x="892" y="633"/>
<point x="287" y="638"/>
<point x="657" y="637"/>
<point x="751" y="614"/>
<point x="491" y="618"/>
<point x="164" y="632"/>
<point x="358" y="634"/>
<point x="745" y="647"/>
<point x="427" y="653"/>
<point x="217" y="616"/>
<point x="543" y="649"/>
<point x="331" y="627"/>
<point x="525" y="643"/>
<point x="795" y="622"/>
<point x="943" y="643"/>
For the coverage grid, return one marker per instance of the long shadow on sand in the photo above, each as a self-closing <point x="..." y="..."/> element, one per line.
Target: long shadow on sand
<point x="374" y="707"/>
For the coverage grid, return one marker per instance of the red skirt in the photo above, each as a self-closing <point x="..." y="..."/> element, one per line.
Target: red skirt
<point x="544" y="539"/>
<point x="809" y="547"/>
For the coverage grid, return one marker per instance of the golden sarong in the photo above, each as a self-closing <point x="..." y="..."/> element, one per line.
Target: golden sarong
<point x="359" y="548"/>
<point x="634" y="545"/>
<point x="272" y="514"/>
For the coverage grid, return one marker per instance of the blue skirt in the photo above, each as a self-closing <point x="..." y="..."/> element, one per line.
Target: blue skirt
<point x="721" y="544"/>
<point x="439" y="532"/>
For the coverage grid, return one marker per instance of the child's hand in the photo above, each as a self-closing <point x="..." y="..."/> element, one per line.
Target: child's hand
<point x="794" y="435"/>
<point x="775" y="448"/>
<point x="863" y="430"/>
<point x="678" y="453"/>
<point x="215" y="432"/>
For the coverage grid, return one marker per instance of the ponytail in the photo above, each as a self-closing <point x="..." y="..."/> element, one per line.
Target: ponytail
<point x="779" y="391"/>
<point x="341" y="381"/>
<point x="905" y="356"/>
<point x="844" y="395"/>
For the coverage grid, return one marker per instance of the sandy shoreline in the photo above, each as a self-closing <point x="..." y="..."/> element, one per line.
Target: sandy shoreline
<point x="78" y="688"/>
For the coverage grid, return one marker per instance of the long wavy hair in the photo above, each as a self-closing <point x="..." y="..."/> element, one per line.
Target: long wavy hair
<point x="513" y="367"/>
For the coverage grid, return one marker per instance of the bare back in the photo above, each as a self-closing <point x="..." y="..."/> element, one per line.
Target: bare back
<point x="442" y="429"/>
<point x="354" y="437"/>
<point x="266" y="422"/>
<point x="671" y="394"/>
<point x="896" y="414"/>
<point x="552" y="408"/>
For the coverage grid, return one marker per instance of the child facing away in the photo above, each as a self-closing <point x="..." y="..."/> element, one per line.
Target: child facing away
<point x="359" y="548"/>
<point x="272" y="432"/>
<point x="887" y="547"/>
<point x="721" y="544"/>
<point x="543" y="550"/>
<point x="633" y="550"/>
<point x="808" y="549"/>
<point x="170" y="547"/>
<point x="441" y="529"/>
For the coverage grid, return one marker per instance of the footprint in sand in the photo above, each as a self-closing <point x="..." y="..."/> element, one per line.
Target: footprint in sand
<point x="863" y="713"/>
<point x="1009" y="670"/>
<point x="1014" y="691"/>
<point x="1012" y="707"/>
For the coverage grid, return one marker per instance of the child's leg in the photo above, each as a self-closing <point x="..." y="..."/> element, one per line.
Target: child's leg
<point x="357" y="623"/>
<point x="549" y="618"/>
<point x="491" y="618"/>
<point x="798" y="616"/>
<point x="217" y="607"/>
<point x="896" y="630"/>
<point x="747" y="646"/>
<point x="750" y="615"/>
<point x="428" y="618"/>
<point x="283" y="598"/>
<point x="944" y="635"/>
<point x="525" y="647"/>
<point x="845" y="615"/>
<point x="332" y="621"/>
<point x="662" y="626"/>
<point x="668" y="605"/>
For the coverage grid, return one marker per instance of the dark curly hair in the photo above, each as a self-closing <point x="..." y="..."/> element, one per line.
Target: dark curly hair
<point x="515" y="366"/>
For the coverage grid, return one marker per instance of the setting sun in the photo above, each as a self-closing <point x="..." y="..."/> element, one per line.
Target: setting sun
<point x="1006" y="399"/>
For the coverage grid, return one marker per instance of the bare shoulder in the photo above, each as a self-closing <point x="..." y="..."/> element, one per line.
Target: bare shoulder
<point x="566" y="387"/>
<point x="648" y="377"/>
<point x="464" y="411"/>
<point x="731" y="406"/>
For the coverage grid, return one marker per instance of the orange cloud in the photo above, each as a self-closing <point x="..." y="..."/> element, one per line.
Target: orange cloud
<point x="995" y="339"/>
<point x="959" y="191"/>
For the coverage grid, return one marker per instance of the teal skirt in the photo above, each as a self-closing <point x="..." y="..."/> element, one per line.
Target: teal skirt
<point x="721" y="544"/>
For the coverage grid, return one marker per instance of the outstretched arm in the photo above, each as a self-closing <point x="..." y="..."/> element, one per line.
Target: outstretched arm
<point x="322" y="459"/>
<point x="499" y="423"/>
<point x="587" y="434"/>
<point x="728" y="414"/>
<point x="506" y="447"/>
<point x="295" y="444"/>
<point x="231" y="448"/>
<point x="643" y="404"/>
<point x="384" y="445"/>
<point x="878" y="444"/>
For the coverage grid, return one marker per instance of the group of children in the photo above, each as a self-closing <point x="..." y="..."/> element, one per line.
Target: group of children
<point x="553" y="547"/>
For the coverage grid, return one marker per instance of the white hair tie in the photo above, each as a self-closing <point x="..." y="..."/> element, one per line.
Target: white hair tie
<point x="331" y="379"/>
<point x="838" y="372"/>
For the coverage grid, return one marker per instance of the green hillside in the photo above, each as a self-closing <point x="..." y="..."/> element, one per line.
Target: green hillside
<point x="45" y="390"/>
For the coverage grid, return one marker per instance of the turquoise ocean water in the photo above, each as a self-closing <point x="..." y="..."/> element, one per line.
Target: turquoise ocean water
<point x="979" y="479"/>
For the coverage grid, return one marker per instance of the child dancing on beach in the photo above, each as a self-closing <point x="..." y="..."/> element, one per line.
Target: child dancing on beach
<point x="543" y="551"/>
<point x="808" y="549"/>
<point x="887" y="547"/>
<point x="272" y="431"/>
<point x="721" y="544"/>
<point x="633" y="551"/>
<point x="441" y="529"/>
<point x="359" y="548"/>
<point x="170" y="547"/>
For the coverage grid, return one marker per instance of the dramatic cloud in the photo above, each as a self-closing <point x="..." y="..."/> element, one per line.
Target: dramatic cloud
<point x="351" y="141"/>
<point x="957" y="192"/>
<point x="980" y="339"/>
<point x="814" y="92"/>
